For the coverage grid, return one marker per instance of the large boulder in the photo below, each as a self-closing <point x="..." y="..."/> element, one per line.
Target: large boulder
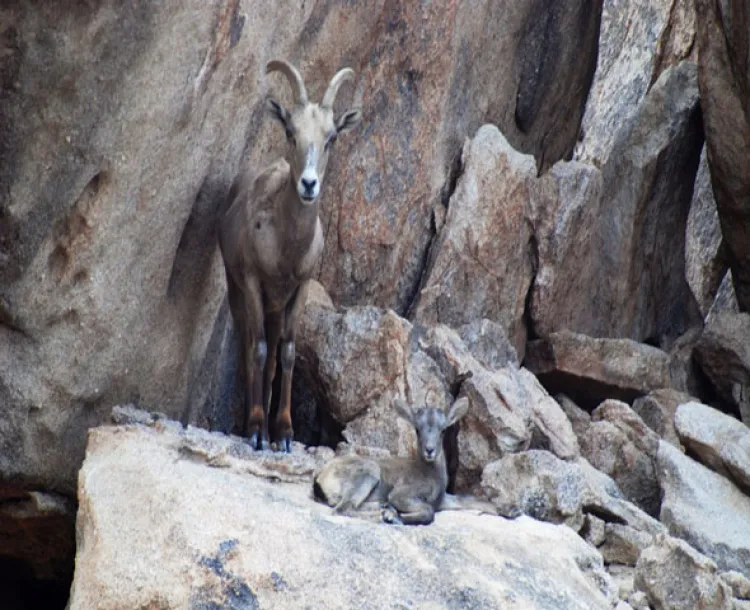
<point x="704" y="509"/>
<point x="144" y="539"/>
<point x="723" y="353"/>
<point x="638" y="40"/>
<point x="723" y="40"/>
<point x="598" y="232"/>
<point x="591" y="370"/>
<point x="719" y="441"/>
<point x="541" y="485"/>
<point x="675" y="576"/>
<point x="619" y="444"/>
<point x="471" y="274"/>
<point x="705" y="260"/>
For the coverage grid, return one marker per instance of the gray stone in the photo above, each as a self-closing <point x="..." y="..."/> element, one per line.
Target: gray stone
<point x="724" y="79"/>
<point x="590" y="370"/>
<point x="620" y="444"/>
<point x="471" y="274"/>
<point x="657" y="410"/>
<point x="488" y="343"/>
<point x="623" y="544"/>
<point x="538" y="484"/>
<point x="739" y="584"/>
<point x="704" y="509"/>
<point x="675" y="577"/>
<point x="705" y="262"/>
<point x="723" y="353"/>
<point x="579" y="419"/>
<point x="632" y="48"/>
<point x="719" y="441"/>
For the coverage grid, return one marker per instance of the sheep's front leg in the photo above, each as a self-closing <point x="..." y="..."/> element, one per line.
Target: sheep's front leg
<point x="411" y="509"/>
<point x="256" y="353"/>
<point x="283" y="431"/>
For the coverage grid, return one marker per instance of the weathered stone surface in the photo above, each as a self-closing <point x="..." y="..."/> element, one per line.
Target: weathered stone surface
<point x="598" y="233"/>
<point x="591" y="370"/>
<point x="633" y="47"/>
<point x="110" y="282"/>
<point x="657" y="410"/>
<point x="623" y="577"/>
<point x="719" y="441"/>
<point x="647" y="187"/>
<point x="739" y="584"/>
<point x="620" y="444"/>
<point x="564" y="213"/>
<point x="705" y="263"/>
<point x="725" y="301"/>
<point x="675" y="577"/>
<point x="488" y="343"/>
<point x="579" y="419"/>
<point x="471" y="274"/>
<point x="724" y="78"/>
<point x="723" y="353"/>
<point x="705" y="509"/>
<point x="539" y="484"/>
<point x="144" y="540"/>
<point x="623" y="544"/>
<point x="551" y="428"/>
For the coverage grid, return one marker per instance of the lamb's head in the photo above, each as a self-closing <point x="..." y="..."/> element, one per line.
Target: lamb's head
<point x="430" y="424"/>
<point x="311" y="129"/>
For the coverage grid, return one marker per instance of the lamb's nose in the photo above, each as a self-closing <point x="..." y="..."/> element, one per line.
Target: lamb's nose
<point x="309" y="184"/>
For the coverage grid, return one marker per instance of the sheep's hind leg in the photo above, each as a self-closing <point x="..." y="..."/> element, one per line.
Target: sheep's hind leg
<point x="353" y="499"/>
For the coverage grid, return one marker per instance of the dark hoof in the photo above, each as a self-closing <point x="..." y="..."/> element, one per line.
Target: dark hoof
<point x="285" y="444"/>
<point x="257" y="441"/>
<point x="390" y="515"/>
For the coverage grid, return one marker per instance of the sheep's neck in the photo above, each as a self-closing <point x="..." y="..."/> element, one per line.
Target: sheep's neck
<point x="299" y="221"/>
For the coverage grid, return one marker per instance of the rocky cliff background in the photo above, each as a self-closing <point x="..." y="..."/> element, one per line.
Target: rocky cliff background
<point x="553" y="197"/>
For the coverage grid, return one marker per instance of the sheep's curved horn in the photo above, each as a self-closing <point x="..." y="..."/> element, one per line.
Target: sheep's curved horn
<point x="294" y="77"/>
<point x="342" y="75"/>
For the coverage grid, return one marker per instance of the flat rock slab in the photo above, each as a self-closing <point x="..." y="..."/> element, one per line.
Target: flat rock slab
<point x="158" y="528"/>
<point x="590" y="370"/>
<point x="720" y="441"/>
<point x="704" y="509"/>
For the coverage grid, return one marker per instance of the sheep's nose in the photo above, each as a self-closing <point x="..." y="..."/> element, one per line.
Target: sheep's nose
<point x="429" y="453"/>
<point x="309" y="185"/>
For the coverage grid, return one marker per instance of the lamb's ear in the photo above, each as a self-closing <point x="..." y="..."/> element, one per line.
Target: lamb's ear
<point x="404" y="410"/>
<point x="457" y="411"/>
<point x="348" y="121"/>
<point x="279" y="112"/>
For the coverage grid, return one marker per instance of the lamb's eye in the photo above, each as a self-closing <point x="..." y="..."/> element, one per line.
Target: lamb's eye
<point x="291" y="138"/>
<point x="331" y="139"/>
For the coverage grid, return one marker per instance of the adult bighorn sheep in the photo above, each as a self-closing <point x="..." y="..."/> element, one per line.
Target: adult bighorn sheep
<point x="271" y="238"/>
<point x="397" y="489"/>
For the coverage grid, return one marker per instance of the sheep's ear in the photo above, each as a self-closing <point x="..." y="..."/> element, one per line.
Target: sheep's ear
<point x="457" y="411"/>
<point x="404" y="410"/>
<point x="280" y="113"/>
<point x="348" y="121"/>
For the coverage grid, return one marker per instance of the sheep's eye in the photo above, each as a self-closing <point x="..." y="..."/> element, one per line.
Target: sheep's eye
<point x="331" y="139"/>
<point x="291" y="138"/>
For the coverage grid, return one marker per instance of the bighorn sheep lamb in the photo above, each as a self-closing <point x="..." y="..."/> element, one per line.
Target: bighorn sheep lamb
<point x="271" y="238"/>
<point x="411" y="490"/>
